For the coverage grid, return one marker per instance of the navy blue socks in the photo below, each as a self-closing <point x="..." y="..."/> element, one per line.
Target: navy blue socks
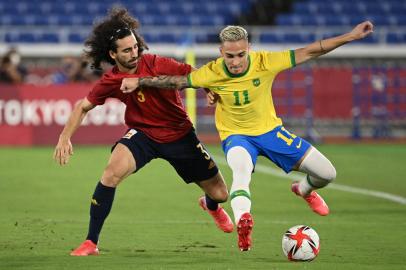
<point x="100" y="207"/>
<point x="211" y="204"/>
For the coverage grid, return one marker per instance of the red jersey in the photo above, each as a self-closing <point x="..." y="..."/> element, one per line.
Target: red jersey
<point x="159" y="113"/>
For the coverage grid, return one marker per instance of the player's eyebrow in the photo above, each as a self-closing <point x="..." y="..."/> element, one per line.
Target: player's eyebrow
<point x="129" y="48"/>
<point x="239" y="54"/>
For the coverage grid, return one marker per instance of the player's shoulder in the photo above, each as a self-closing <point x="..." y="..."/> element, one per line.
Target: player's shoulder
<point x="109" y="76"/>
<point x="266" y="53"/>
<point x="214" y="65"/>
<point x="265" y="58"/>
<point x="155" y="59"/>
<point x="149" y="58"/>
<point x="260" y="55"/>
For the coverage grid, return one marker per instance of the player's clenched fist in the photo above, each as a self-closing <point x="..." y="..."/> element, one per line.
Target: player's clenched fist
<point x="362" y="30"/>
<point x="129" y="84"/>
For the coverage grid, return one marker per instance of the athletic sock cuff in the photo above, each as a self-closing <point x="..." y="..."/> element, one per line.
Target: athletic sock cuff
<point x="240" y="192"/>
<point x="310" y="183"/>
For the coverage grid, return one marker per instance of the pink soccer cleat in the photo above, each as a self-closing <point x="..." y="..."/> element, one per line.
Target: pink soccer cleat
<point x="85" y="249"/>
<point x="314" y="200"/>
<point x="220" y="216"/>
<point x="244" y="230"/>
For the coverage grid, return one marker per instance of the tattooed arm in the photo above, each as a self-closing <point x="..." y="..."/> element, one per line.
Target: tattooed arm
<point x="170" y="82"/>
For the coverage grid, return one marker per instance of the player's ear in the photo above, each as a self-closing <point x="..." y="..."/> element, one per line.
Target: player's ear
<point x="112" y="54"/>
<point x="221" y="50"/>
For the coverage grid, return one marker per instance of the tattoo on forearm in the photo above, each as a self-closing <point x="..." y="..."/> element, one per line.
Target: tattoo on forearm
<point x="170" y="82"/>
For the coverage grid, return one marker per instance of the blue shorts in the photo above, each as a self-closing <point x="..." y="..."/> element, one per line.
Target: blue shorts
<point x="279" y="145"/>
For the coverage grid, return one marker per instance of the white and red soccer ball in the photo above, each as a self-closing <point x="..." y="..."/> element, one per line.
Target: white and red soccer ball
<point x="301" y="243"/>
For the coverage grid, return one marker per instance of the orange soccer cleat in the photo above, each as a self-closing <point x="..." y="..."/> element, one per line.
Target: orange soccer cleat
<point x="314" y="200"/>
<point x="244" y="230"/>
<point x="85" y="249"/>
<point x="220" y="216"/>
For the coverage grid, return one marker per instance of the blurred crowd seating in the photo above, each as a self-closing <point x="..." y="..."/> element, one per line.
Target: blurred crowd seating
<point x="345" y="12"/>
<point x="333" y="13"/>
<point x="44" y="16"/>
<point x="59" y="21"/>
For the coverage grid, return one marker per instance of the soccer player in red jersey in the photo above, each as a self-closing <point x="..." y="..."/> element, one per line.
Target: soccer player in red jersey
<point x="158" y="125"/>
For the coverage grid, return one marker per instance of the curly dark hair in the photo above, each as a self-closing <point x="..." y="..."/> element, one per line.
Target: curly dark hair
<point x="118" y="24"/>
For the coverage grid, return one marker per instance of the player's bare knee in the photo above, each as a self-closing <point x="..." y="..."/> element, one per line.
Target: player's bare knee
<point x="110" y="178"/>
<point x="220" y="196"/>
<point x="224" y="195"/>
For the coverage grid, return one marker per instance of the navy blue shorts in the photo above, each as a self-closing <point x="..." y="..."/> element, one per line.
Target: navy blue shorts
<point x="285" y="149"/>
<point x="187" y="155"/>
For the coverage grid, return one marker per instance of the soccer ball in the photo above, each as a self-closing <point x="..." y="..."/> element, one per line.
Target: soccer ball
<point x="300" y="243"/>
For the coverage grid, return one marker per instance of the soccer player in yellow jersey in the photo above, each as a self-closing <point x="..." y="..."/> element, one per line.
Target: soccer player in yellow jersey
<point x="241" y="81"/>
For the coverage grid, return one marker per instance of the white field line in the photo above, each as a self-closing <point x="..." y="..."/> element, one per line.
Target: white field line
<point x="298" y="176"/>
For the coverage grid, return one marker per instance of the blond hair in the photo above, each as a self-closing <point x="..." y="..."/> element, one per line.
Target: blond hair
<point x="233" y="33"/>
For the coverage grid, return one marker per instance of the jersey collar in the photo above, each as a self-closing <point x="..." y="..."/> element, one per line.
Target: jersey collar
<point x="229" y="74"/>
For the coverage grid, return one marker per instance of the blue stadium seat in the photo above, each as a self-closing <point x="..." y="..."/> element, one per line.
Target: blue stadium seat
<point x="76" y="38"/>
<point x="379" y="20"/>
<point x="18" y="20"/>
<point x="352" y="9"/>
<point x="327" y="9"/>
<point x="206" y="38"/>
<point x="271" y="38"/>
<point x="49" y="38"/>
<point x="298" y="38"/>
<point x="41" y="20"/>
<point x="375" y="8"/>
<point x="396" y="38"/>
<point x="163" y="38"/>
<point x="11" y="10"/>
<point x="401" y="20"/>
<point x="286" y="20"/>
<point x="21" y="37"/>
<point x="309" y="20"/>
<point x="303" y="7"/>
<point x="371" y="39"/>
<point x="168" y="38"/>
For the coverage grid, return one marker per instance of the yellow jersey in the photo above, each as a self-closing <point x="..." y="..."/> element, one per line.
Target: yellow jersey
<point x="245" y="106"/>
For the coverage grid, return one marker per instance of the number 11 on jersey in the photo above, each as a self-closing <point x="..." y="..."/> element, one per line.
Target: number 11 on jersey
<point x="237" y="97"/>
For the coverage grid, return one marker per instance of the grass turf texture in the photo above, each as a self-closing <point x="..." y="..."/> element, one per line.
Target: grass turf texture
<point x="156" y="222"/>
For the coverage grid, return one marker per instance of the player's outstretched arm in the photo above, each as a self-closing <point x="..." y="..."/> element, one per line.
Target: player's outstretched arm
<point x="128" y="85"/>
<point x="324" y="46"/>
<point x="64" y="149"/>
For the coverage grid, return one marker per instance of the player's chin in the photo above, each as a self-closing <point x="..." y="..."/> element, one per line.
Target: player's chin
<point x="131" y="65"/>
<point x="236" y="71"/>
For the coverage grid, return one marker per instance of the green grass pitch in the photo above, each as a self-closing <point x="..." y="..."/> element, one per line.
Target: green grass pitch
<point x="156" y="222"/>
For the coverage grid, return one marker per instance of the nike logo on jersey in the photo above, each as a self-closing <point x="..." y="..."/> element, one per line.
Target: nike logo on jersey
<point x="228" y="143"/>
<point x="299" y="144"/>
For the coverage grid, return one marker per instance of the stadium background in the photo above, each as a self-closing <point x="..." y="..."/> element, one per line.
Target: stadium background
<point x="356" y="92"/>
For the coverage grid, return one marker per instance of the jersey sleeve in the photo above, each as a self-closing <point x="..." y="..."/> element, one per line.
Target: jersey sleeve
<point x="99" y="94"/>
<point x="169" y="66"/>
<point x="200" y="77"/>
<point x="278" y="61"/>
